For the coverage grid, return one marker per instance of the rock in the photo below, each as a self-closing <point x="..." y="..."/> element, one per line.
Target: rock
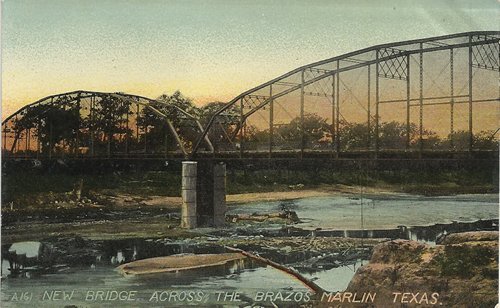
<point x="477" y="236"/>
<point x="463" y="272"/>
<point x="298" y="186"/>
<point x="287" y="249"/>
<point x="398" y="251"/>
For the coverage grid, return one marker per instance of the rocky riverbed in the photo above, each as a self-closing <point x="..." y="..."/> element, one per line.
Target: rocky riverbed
<point x="462" y="271"/>
<point x="106" y="230"/>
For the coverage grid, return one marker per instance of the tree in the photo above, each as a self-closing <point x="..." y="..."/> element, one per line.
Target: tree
<point x="57" y="122"/>
<point x="224" y="126"/>
<point x="107" y="120"/>
<point x="484" y="140"/>
<point x="354" y="136"/>
<point x="315" y="129"/>
<point x="158" y="135"/>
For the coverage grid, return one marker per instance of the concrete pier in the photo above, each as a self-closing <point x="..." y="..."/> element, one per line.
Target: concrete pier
<point x="189" y="194"/>
<point x="219" y="198"/>
<point x="203" y="194"/>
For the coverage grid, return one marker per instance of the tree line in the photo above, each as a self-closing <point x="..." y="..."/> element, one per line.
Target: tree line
<point x="111" y="125"/>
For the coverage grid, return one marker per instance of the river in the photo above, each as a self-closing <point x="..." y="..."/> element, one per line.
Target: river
<point x="40" y="285"/>
<point x="380" y="211"/>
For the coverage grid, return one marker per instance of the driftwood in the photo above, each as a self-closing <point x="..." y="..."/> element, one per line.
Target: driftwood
<point x="177" y="263"/>
<point x="290" y="215"/>
<point x="308" y="283"/>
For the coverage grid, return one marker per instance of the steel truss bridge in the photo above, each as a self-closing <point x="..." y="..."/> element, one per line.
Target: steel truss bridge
<point x="419" y="98"/>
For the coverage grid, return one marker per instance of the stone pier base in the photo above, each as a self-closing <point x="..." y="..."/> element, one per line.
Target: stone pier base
<point x="189" y="195"/>
<point x="219" y="198"/>
<point x="203" y="194"/>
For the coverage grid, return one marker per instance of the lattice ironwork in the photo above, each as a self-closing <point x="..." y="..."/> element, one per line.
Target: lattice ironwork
<point x="320" y="88"/>
<point x="251" y="102"/>
<point x="486" y="56"/>
<point x="394" y="68"/>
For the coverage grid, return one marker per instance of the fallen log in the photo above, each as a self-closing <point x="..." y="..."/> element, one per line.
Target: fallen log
<point x="286" y="215"/>
<point x="308" y="283"/>
<point x="177" y="263"/>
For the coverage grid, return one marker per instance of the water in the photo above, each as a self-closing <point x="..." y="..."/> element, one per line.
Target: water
<point x="337" y="278"/>
<point x="380" y="211"/>
<point x="84" y="282"/>
<point x="38" y="284"/>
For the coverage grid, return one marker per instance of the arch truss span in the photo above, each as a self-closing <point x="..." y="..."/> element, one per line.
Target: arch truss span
<point x="97" y="124"/>
<point x="437" y="94"/>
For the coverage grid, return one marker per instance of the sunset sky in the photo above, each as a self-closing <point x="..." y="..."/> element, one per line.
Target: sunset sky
<point x="209" y="50"/>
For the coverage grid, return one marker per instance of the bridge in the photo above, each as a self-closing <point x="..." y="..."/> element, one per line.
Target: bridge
<point x="431" y="97"/>
<point x="426" y="103"/>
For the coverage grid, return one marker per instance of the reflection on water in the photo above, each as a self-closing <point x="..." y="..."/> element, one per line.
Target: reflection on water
<point x="59" y="254"/>
<point x="29" y="249"/>
<point x="337" y="278"/>
<point x="96" y="271"/>
<point x="75" y="264"/>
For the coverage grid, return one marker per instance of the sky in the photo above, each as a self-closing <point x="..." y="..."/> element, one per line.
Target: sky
<point x="209" y="50"/>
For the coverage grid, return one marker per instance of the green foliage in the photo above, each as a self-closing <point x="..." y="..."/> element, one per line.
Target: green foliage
<point x="158" y="134"/>
<point x="357" y="136"/>
<point x="314" y="127"/>
<point x="463" y="260"/>
<point x="107" y="120"/>
<point x="225" y="124"/>
<point x="53" y="123"/>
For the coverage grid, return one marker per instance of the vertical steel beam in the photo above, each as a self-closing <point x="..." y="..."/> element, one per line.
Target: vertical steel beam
<point x="77" y="137"/>
<point x="109" y="133"/>
<point x="452" y="101"/>
<point x="29" y="139"/>
<point x="333" y="114"/>
<point x="38" y="141"/>
<point x="50" y="140"/>
<point x="137" y="124"/>
<point x="27" y="135"/>
<point x="16" y="136"/>
<point x="242" y="130"/>
<point x="421" y="99"/>
<point x="337" y="111"/>
<point x="471" y="136"/>
<point x="145" y="139"/>
<point x="408" y="128"/>
<point x="377" y="102"/>
<point x="91" y="126"/>
<point x="302" y="132"/>
<point x="127" y="136"/>
<point x="165" y="128"/>
<point x="271" y="120"/>
<point x="18" y="144"/>
<point x="368" y="103"/>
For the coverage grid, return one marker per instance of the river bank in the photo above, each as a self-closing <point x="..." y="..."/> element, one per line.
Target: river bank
<point x="33" y="188"/>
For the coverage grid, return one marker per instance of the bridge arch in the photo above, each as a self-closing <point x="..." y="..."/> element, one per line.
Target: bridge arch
<point x="430" y="94"/>
<point x="99" y="124"/>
